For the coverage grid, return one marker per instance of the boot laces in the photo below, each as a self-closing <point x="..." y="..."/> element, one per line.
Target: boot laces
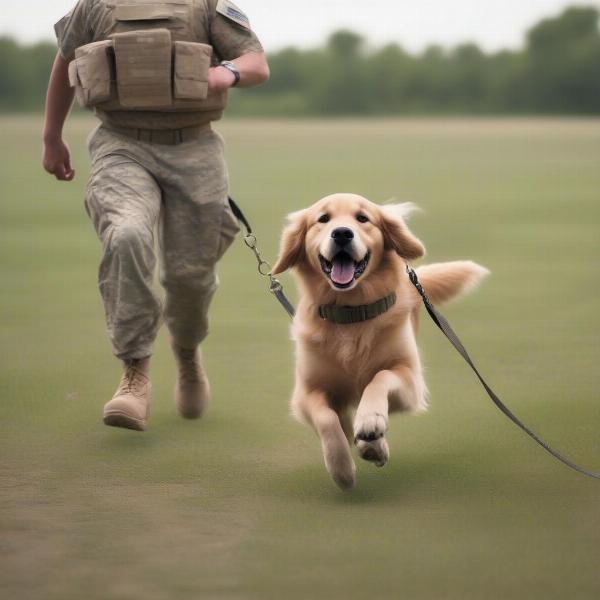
<point x="189" y="366"/>
<point x="133" y="380"/>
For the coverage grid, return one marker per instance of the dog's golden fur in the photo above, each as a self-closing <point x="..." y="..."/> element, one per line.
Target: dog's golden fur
<point x="349" y="377"/>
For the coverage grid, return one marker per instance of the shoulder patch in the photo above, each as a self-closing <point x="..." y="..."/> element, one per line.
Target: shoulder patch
<point x="232" y="12"/>
<point x="60" y="26"/>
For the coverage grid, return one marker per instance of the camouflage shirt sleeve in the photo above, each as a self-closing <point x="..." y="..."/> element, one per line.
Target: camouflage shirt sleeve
<point x="74" y="30"/>
<point x="230" y="31"/>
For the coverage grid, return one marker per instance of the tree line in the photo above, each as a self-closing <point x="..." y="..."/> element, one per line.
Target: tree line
<point x="556" y="72"/>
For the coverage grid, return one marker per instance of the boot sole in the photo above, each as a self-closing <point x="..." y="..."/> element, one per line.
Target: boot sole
<point x="190" y="415"/>
<point x="191" y="412"/>
<point x="119" y="419"/>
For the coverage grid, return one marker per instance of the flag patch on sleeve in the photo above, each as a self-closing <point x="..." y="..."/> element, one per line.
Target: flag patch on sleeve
<point x="231" y="11"/>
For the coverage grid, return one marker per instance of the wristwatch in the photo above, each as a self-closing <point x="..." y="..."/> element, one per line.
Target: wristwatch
<point x="231" y="67"/>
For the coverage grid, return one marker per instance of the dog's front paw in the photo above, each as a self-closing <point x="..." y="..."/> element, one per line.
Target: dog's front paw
<point x="377" y="452"/>
<point x="370" y="427"/>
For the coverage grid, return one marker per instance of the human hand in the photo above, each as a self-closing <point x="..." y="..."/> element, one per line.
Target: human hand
<point x="56" y="159"/>
<point x="219" y="79"/>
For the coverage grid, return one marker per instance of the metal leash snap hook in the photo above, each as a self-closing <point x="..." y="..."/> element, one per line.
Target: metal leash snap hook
<point x="264" y="268"/>
<point x="250" y="241"/>
<point x="275" y="286"/>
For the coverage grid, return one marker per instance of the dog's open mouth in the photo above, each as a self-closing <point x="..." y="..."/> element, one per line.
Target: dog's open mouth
<point x="342" y="269"/>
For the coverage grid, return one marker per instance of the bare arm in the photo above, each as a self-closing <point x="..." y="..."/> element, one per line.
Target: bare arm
<point x="253" y="68"/>
<point x="56" y="159"/>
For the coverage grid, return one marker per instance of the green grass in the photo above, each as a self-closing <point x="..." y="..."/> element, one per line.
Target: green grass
<point x="239" y="505"/>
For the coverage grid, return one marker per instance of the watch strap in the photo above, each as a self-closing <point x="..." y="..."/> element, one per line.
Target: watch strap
<point x="231" y="67"/>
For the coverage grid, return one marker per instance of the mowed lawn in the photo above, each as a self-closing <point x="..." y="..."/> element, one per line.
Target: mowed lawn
<point x="239" y="505"/>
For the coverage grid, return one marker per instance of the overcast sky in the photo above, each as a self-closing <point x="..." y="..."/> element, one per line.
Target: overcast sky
<point x="492" y="24"/>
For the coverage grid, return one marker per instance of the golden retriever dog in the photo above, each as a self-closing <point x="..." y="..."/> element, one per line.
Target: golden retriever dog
<point x="356" y="322"/>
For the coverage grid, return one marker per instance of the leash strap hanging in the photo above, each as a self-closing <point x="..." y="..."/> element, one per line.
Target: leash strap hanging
<point x="445" y="328"/>
<point x="239" y="215"/>
<point x="264" y="268"/>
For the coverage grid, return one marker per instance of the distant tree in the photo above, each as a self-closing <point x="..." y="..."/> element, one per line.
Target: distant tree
<point x="431" y="81"/>
<point x="468" y="67"/>
<point x="339" y="81"/>
<point x="388" y="75"/>
<point x="41" y="58"/>
<point x="12" y="74"/>
<point x="24" y="72"/>
<point x="345" y="45"/>
<point x="563" y="54"/>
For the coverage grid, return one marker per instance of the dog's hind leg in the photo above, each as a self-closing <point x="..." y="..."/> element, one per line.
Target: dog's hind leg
<point x="314" y="407"/>
<point x="346" y="418"/>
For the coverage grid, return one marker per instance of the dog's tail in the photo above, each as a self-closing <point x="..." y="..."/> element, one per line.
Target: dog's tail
<point x="443" y="282"/>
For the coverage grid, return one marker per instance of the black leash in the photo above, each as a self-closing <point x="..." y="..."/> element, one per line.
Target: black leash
<point x="445" y="328"/>
<point x="264" y="268"/>
<point x="239" y="215"/>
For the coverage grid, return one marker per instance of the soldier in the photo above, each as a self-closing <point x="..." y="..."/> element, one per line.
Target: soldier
<point x="156" y="73"/>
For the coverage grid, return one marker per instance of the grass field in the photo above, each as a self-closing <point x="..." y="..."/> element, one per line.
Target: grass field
<point x="239" y="505"/>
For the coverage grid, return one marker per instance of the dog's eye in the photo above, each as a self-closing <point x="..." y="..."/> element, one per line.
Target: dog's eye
<point x="324" y="218"/>
<point x="361" y="218"/>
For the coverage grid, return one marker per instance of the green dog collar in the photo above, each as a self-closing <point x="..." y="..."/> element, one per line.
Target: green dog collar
<point x="345" y="315"/>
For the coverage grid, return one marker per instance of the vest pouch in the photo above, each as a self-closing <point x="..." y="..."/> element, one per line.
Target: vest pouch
<point x="190" y="77"/>
<point x="90" y="73"/>
<point x="143" y="64"/>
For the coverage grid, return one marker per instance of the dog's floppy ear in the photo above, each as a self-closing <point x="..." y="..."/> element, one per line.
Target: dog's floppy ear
<point x="396" y="235"/>
<point x="291" y="250"/>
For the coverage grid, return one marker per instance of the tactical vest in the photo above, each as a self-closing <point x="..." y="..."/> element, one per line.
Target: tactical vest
<point x="149" y="55"/>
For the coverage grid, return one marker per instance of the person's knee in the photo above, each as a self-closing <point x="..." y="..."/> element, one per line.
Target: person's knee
<point x="130" y="238"/>
<point x="196" y="279"/>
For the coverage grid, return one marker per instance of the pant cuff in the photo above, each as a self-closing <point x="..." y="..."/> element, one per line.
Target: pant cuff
<point x="139" y="353"/>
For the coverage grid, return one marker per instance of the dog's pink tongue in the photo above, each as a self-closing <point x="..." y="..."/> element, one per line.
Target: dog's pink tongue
<point x="343" y="271"/>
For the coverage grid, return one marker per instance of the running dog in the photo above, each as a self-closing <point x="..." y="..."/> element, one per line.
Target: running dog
<point x="356" y="323"/>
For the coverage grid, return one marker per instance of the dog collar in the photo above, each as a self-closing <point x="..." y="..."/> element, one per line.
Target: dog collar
<point x="344" y="315"/>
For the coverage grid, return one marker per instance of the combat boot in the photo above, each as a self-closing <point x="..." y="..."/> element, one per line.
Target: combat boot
<point x="130" y="405"/>
<point x="192" y="389"/>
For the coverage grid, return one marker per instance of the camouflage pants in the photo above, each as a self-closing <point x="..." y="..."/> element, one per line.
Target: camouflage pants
<point x="138" y="189"/>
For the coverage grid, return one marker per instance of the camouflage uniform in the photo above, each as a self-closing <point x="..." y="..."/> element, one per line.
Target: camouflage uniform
<point x="139" y="186"/>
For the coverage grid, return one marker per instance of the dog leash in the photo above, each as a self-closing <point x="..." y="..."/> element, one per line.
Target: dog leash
<point x="264" y="267"/>
<point x="275" y="287"/>
<point x="445" y="328"/>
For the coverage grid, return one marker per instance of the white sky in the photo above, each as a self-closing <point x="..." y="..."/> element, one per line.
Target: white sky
<point x="492" y="24"/>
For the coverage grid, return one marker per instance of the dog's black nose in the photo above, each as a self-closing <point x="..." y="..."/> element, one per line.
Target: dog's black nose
<point x="342" y="235"/>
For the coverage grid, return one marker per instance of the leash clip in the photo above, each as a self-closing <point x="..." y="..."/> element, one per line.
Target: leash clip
<point x="274" y="285"/>
<point x="414" y="279"/>
<point x="264" y="267"/>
